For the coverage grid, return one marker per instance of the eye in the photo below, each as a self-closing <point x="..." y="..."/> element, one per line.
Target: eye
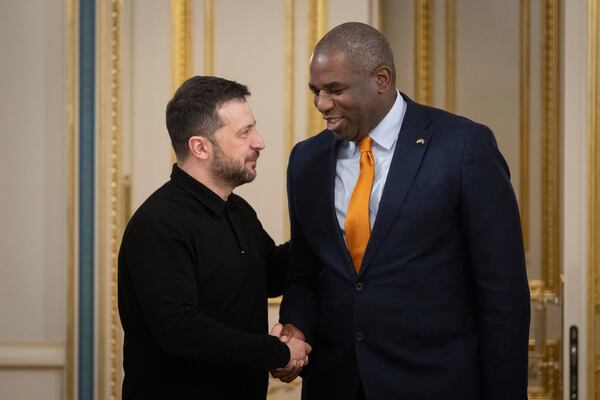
<point x="244" y="133"/>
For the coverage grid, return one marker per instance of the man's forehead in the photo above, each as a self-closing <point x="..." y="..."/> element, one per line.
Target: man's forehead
<point x="237" y="112"/>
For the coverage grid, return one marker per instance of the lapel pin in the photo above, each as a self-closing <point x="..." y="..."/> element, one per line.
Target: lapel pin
<point x="421" y="141"/>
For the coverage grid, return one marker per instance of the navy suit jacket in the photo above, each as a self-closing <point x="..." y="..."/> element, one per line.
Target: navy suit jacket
<point x="440" y="307"/>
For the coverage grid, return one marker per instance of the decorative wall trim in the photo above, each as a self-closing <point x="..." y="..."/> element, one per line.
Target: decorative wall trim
<point x="423" y="51"/>
<point x="110" y="199"/>
<point x="593" y="367"/>
<point x="451" y="55"/>
<point x="181" y="47"/>
<point x="376" y="14"/>
<point x="550" y="146"/>
<point x="550" y="376"/>
<point x="72" y="29"/>
<point x="32" y="356"/>
<point x="317" y="21"/>
<point x="86" y="186"/>
<point x="524" y="127"/>
<point x="289" y="95"/>
<point x="209" y="37"/>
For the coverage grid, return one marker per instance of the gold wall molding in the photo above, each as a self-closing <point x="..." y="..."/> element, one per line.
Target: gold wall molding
<point x="550" y="148"/>
<point x="209" y="37"/>
<point x="524" y="125"/>
<point x="181" y="47"/>
<point x="550" y="376"/>
<point x="593" y="286"/>
<point x="317" y="27"/>
<point x="376" y="14"/>
<point x="110" y="199"/>
<point x="290" y="73"/>
<point x="289" y="95"/>
<point x="72" y="28"/>
<point x="423" y="51"/>
<point x="450" y="55"/>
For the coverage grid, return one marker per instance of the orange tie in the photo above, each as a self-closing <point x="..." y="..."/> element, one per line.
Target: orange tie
<point x="358" y="228"/>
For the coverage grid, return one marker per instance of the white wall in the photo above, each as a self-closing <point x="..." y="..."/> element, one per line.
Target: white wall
<point x="33" y="170"/>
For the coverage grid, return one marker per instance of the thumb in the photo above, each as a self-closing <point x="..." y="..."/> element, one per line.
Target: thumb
<point x="276" y="330"/>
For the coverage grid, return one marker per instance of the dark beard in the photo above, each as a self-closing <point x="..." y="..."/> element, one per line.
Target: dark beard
<point x="228" y="171"/>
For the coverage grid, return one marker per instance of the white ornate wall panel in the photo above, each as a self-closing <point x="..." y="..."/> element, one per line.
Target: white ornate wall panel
<point x="149" y="84"/>
<point x="33" y="214"/>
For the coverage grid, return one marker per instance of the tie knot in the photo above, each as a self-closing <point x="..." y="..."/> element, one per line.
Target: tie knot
<point x="365" y="143"/>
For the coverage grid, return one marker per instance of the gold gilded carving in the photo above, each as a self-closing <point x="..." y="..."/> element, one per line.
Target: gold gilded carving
<point x="111" y="199"/>
<point x="550" y="146"/>
<point x="423" y="51"/>
<point x="549" y="372"/>
<point x="317" y="20"/>
<point x="181" y="15"/>
<point x="451" y="55"/>
<point x="289" y="95"/>
<point x="524" y="127"/>
<point x="181" y="45"/>
<point x="209" y="40"/>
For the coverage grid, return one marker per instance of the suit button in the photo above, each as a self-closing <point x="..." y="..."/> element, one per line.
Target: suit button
<point x="359" y="286"/>
<point x="360" y="337"/>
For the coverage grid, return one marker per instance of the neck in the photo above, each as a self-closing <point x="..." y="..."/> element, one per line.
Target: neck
<point x="202" y="174"/>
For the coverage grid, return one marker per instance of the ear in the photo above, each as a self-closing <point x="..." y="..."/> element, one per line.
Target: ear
<point x="199" y="147"/>
<point x="383" y="78"/>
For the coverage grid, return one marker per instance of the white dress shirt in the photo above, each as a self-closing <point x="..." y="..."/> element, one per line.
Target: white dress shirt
<point x="347" y="168"/>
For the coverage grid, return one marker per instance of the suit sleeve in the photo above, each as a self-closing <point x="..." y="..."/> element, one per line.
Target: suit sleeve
<point x="300" y="300"/>
<point x="492" y="230"/>
<point x="163" y="280"/>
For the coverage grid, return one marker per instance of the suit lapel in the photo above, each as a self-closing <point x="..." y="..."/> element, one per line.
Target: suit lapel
<point x="331" y="215"/>
<point x="321" y="183"/>
<point x="412" y="143"/>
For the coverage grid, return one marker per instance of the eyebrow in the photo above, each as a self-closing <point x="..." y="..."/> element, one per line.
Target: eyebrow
<point x="328" y="85"/>
<point x="245" y="127"/>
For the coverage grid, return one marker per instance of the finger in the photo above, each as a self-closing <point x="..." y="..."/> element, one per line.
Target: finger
<point x="286" y="333"/>
<point x="281" y="372"/>
<point x="294" y="373"/>
<point x="289" y="378"/>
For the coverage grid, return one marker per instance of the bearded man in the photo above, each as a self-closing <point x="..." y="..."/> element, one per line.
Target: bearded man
<point x="196" y="266"/>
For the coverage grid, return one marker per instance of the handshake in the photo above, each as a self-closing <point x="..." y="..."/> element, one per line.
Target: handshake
<point x="299" y="351"/>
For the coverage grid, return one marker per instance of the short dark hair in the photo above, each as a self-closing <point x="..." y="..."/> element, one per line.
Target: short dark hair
<point x="365" y="47"/>
<point x="194" y="109"/>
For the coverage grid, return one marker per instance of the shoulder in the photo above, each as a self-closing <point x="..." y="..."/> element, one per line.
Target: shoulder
<point x="312" y="150"/>
<point x="442" y="120"/>
<point x="166" y="208"/>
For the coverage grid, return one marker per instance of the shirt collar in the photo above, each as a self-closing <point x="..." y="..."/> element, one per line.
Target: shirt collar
<point x="385" y="134"/>
<point x="387" y="131"/>
<point x="200" y="192"/>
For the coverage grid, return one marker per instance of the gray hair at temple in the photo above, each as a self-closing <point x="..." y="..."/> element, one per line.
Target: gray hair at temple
<point x="364" y="47"/>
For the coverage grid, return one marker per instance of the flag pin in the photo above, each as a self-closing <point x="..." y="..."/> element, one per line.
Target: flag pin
<point x="421" y="141"/>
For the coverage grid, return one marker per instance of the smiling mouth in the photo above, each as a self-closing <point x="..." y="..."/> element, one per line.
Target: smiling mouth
<point x="332" y="122"/>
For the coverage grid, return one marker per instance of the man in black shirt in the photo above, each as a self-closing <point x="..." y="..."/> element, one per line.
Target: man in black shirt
<point x="196" y="266"/>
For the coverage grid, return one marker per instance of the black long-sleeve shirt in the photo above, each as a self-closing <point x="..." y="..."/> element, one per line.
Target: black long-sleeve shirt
<point x="195" y="272"/>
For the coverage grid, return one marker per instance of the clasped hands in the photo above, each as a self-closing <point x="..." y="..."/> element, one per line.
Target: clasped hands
<point x="299" y="351"/>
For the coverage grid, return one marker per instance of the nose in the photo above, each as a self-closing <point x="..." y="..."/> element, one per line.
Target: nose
<point x="257" y="143"/>
<point x="323" y="101"/>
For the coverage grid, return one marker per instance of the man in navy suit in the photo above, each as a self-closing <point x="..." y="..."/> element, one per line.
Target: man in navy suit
<point x="435" y="305"/>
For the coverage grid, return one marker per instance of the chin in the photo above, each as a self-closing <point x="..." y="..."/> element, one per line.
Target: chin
<point x="345" y="136"/>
